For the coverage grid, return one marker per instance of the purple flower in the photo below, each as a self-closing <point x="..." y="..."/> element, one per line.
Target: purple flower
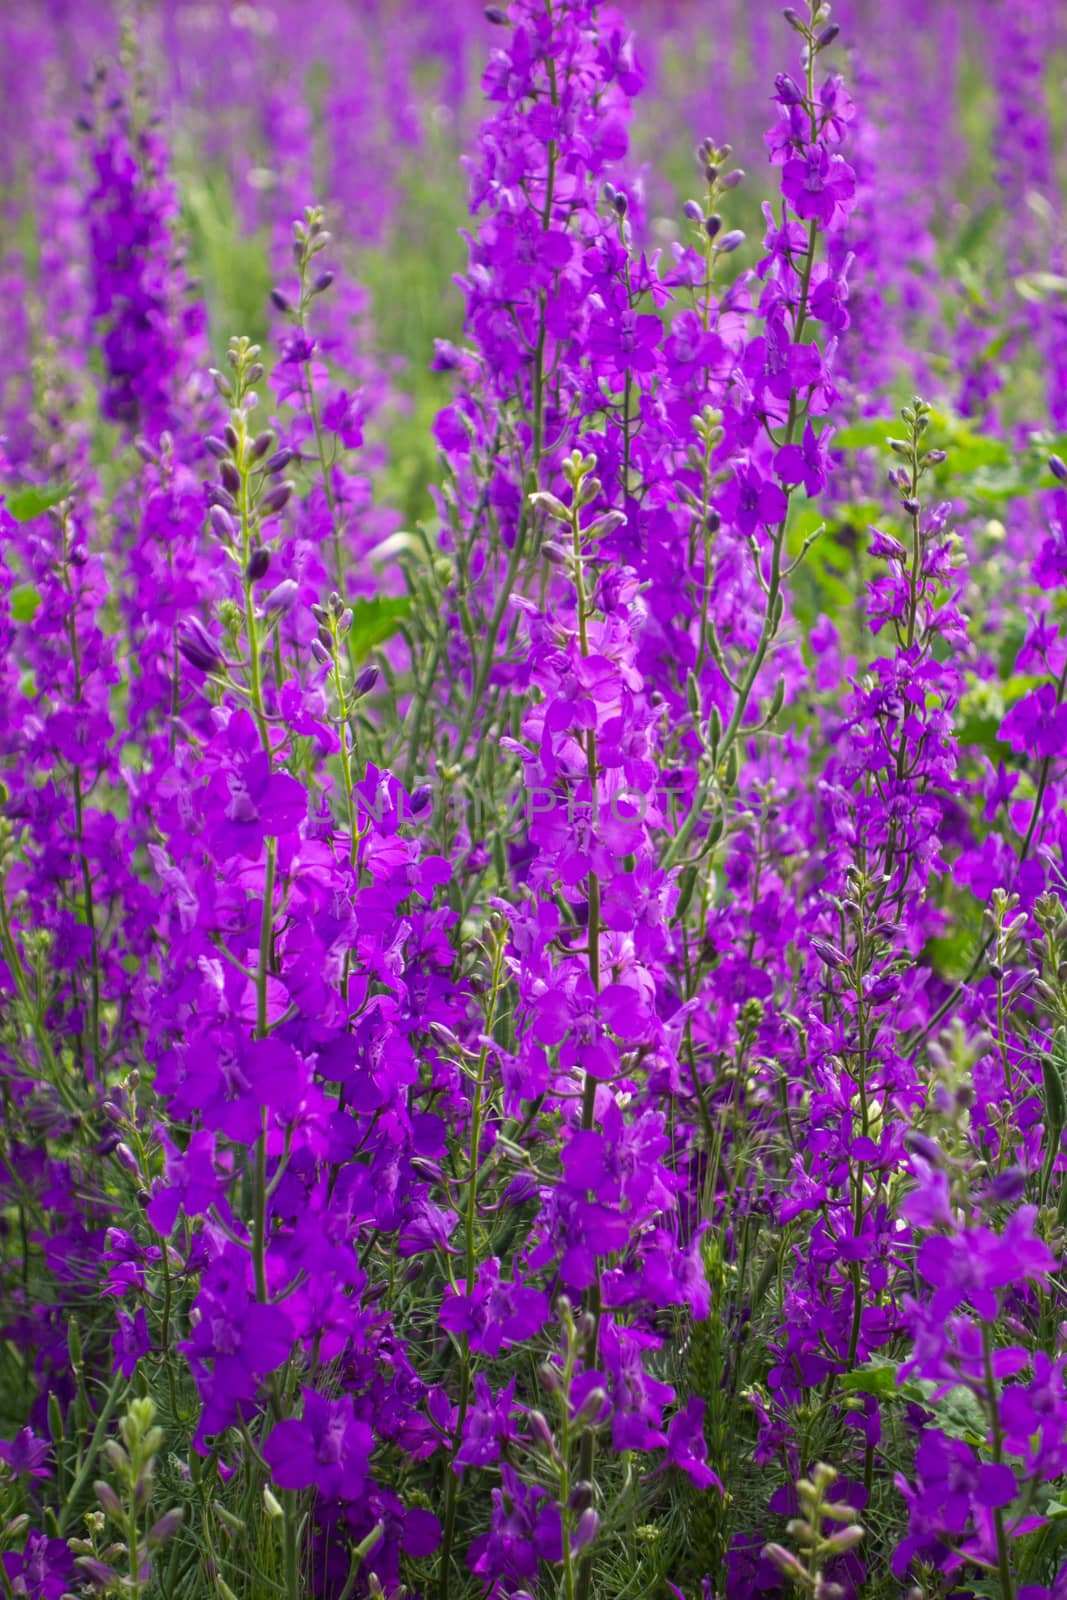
<point x="26" y="1454"/>
<point x="820" y="187"/>
<point x="326" y="1449"/>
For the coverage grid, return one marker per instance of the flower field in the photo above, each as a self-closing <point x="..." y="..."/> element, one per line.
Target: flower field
<point x="533" y="800"/>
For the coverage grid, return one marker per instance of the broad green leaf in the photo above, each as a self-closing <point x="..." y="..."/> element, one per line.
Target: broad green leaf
<point x="24" y="603"/>
<point x="861" y="435"/>
<point x="374" y="621"/>
<point x="25" y="504"/>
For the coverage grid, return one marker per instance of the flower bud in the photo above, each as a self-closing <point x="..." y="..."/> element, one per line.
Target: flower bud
<point x="276" y="500"/>
<point x="321" y="656"/>
<point x="591" y="1407"/>
<point x="166" y="1526"/>
<point x="280" y="302"/>
<point x="541" y="1429"/>
<point x="827" y="36"/>
<point x="322" y="282"/>
<point x="261" y="444"/>
<point x="280" y="460"/>
<point x="1057" y="468"/>
<point x="496" y="15"/>
<point x="109" y="1499"/>
<point x="712" y="224"/>
<point x="693" y="211"/>
<point x="586" y="1531"/>
<point x="734" y="179"/>
<point x="258" y="562"/>
<point x="282" y="598"/>
<point x="217" y="496"/>
<point x="366" y="681"/>
<point x="222" y="524"/>
<point x="1007" y="1187"/>
<point x="198" y="647"/>
<point x="621" y="204"/>
<point x="581" y="1497"/>
<point x="730" y="241"/>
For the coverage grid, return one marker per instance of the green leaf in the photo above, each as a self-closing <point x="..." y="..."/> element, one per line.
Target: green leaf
<point x="374" y="621"/>
<point x="959" y="1413"/>
<point x="862" y="435"/>
<point x="877" y="1377"/>
<point x="25" y="504"/>
<point x="24" y="603"/>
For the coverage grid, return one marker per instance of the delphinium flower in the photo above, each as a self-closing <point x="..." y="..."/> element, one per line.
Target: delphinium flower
<point x="138" y="314"/>
<point x="982" y="1272"/>
<point x="283" y="1020"/>
<point x="331" y="409"/>
<point x="885" y="789"/>
<point x="530" y="310"/>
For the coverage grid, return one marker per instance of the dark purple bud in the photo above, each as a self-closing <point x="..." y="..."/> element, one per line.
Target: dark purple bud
<point x="229" y="433"/>
<point x="788" y="91"/>
<point x="591" y="1407"/>
<point x="146" y="452"/>
<point x="937" y="456"/>
<point x="222" y="524"/>
<point x="793" y="20"/>
<point x="165" y="1527"/>
<point x="217" y="496"/>
<point x="322" y="282"/>
<point x="257" y="566"/>
<point x="730" y="241"/>
<point x="231" y="478"/>
<point x="326" y="639"/>
<point x="912" y="507"/>
<point x="109" y="1499"/>
<point x="541" y="1429"/>
<point x="621" y="204"/>
<point x="321" y="655"/>
<point x="420" y="800"/>
<point x="1006" y="1187"/>
<point x="734" y="179"/>
<point x="280" y="302"/>
<point x="366" y="681"/>
<point x="282" y="599"/>
<point x="581" y="1497"/>
<point x="280" y="460"/>
<point x="693" y="211"/>
<point x="712" y="224"/>
<point x="198" y="647"/>
<point x="587" y="1529"/>
<point x="98" y="1570"/>
<point x="1057" y="468"/>
<point x="215" y="447"/>
<point x="920" y="1145"/>
<point x="713" y="521"/>
<point x="276" y="500"/>
<point x="255" y="373"/>
<point x="829" y="954"/>
<point x="496" y="15"/>
<point x="261" y="444"/>
<point x="827" y="36"/>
